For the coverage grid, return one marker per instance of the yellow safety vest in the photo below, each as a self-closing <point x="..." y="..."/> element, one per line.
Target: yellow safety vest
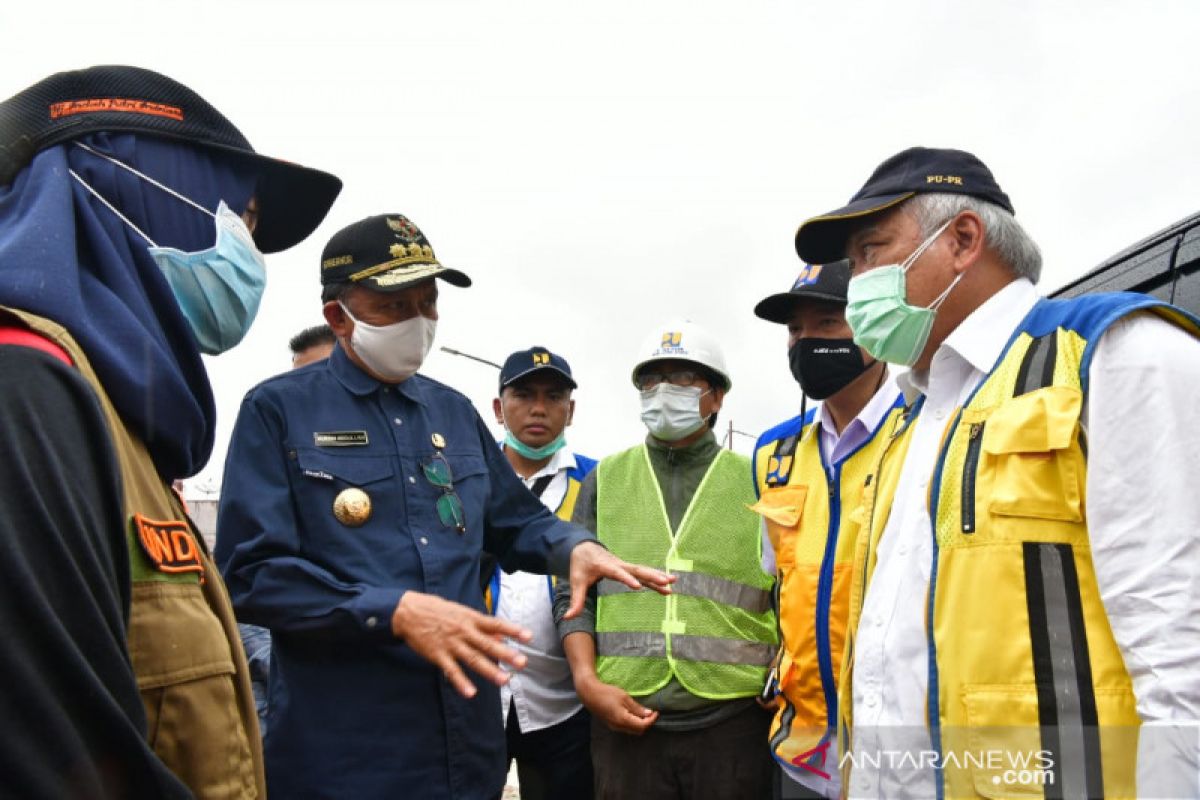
<point x="813" y="556"/>
<point x="716" y="632"/>
<point x="183" y="638"/>
<point x="1027" y="687"/>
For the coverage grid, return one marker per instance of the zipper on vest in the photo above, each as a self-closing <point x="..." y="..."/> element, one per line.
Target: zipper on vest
<point x="970" y="468"/>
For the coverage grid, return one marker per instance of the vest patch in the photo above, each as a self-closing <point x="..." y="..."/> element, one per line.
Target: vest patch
<point x="340" y="439"/>
<point x="169" y="545"/>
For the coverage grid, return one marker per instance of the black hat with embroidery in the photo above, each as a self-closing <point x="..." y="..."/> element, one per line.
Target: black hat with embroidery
<point x="386" y="253"/>
<point x="917" y="170"/>
<point x="536" y="359"/>
<point x="827" y="282"/>
<point x="292" y="199"/>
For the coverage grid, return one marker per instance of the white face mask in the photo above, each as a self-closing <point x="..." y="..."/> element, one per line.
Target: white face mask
<point x="393" y="352"/>
<point x="671" y="412"/>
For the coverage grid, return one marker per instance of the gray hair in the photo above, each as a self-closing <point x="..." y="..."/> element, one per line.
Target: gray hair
<point x="1002" y="233"/>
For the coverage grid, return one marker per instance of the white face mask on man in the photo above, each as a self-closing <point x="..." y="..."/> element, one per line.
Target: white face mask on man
<point x="393" y="352"/>
<point x="672" y="412"/>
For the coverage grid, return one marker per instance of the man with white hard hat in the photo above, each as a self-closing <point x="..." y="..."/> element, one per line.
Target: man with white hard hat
<point x="671" y="684"/>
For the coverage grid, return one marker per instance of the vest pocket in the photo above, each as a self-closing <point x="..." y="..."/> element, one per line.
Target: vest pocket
<point x="1002" y="747"/>
<point x="186" y="675"/>
<point x="782" y="507"/>
<point x="1029" y="462"/>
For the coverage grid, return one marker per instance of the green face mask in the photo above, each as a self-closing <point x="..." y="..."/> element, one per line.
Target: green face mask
<point x="535" y="453"/>
<point x="878" y="312"/>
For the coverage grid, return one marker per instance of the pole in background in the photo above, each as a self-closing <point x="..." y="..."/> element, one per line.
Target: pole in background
<point x="454" y="352"/>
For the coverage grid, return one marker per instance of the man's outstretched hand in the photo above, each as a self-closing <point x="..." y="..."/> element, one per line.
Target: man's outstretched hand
<point x="590" y="562"/>
<point x="452" y="636"/>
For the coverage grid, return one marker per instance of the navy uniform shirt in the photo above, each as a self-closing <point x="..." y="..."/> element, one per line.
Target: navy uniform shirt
<point x="355" y="712"/>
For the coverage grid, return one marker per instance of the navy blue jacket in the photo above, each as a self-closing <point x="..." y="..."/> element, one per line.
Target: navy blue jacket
<point x="353" y="711"/>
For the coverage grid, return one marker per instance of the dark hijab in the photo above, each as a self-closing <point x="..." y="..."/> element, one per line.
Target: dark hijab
<point x="66" y="257"/>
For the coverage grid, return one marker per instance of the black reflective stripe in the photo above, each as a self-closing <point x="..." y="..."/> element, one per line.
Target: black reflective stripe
<point x="1037" y="368"/>
<point x="721" y="651"/>
<point x="631" y="643"/>
<point x="1062" y="671"/>
<point x="785" y="723"/>
<point x="721" y="590"/>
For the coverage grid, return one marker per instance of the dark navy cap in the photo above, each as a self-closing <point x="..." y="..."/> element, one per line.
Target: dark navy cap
<point x="527" y="362"/>
<point x="914" y="171"/>
<point x="386" y="253"/>
<point x="826" y="282"/>
<point x="292" y="199"/>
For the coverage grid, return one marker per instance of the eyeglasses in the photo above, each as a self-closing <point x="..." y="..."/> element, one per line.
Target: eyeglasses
<point x="678" y="377"/>
<point x="449" y="507"/>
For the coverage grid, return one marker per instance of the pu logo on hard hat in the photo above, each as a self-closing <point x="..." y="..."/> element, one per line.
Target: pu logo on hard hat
<point x="541" y="359"/>
<point x="672" y="338"/>
<point x="807" y="276"/>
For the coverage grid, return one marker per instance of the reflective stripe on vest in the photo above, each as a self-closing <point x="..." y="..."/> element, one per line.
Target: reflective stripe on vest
<point x="711" y="587"/>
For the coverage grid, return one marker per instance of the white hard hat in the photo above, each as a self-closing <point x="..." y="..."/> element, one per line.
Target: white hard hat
<point x="682" y="340"/>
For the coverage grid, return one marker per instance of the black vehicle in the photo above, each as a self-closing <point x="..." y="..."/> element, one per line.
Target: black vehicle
<point x="1165" y="265"/>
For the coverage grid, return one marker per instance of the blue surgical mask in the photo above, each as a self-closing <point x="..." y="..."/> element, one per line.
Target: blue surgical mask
<point x="218" y="289"/>
<point x="535" y="453"/>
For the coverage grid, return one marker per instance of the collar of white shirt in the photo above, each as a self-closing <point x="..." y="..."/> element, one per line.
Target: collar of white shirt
<point x="975" y="340"/>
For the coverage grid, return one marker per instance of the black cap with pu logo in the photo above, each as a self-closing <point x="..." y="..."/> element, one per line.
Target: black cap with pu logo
<point x="913" y="171"/>
<point x="535" y="359"/>
<point x="826" y="282"/>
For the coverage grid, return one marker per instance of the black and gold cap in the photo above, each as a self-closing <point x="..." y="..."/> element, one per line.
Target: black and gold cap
<point x="913" y="171"/>
<point x="120" y="99"/>
<point x="385" y="253"/>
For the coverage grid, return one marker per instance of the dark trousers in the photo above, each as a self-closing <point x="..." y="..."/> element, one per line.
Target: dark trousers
<point x="554" y="763"/>
<point x="727" y="761"/>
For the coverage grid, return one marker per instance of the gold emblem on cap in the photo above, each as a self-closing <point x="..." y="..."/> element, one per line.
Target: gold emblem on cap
<point x="352" y="507"/>
<point x="438" y="440"/>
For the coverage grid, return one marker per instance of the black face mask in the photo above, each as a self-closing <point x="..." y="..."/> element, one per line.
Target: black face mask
<point x="823" y="367"/>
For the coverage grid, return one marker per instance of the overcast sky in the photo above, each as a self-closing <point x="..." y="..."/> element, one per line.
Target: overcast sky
<point x="599" y="168"/>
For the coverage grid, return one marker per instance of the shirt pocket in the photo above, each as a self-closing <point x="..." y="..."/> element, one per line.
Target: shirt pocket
<point x="1028" y="462"/>
<point x="323" y="476"/>
<point x="782" y="508"/>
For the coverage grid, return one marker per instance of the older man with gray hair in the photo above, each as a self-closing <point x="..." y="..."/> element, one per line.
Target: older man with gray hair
<point x="1025" y="614"/>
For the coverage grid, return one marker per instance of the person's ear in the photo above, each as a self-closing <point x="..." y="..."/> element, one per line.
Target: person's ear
<point x="339" y="322"/>
<point x="570" y="412"/>
<point x="967" y="236"/>
<point x="497" y="411"/>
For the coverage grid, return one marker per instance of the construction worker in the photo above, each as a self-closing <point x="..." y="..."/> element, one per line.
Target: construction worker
<point x="547" y="730"/>
<point x="672" y="686"/>
<point x="809" y="474"/>
<point x="1024" y="608"/>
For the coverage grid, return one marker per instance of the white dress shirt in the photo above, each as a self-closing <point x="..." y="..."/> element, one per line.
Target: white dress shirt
<point x="542" y="693"/>
<point x="1144" y="527"/>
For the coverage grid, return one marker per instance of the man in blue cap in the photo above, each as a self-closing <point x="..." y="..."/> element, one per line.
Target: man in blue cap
<point x="358" y="497"/>
<point x="546" y="727"/>
<point x="1025" y="612"/>
<point x="133" y="221"/>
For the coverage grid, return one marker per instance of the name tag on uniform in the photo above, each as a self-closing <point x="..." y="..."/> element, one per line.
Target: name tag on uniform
<point x="340" y="439"/>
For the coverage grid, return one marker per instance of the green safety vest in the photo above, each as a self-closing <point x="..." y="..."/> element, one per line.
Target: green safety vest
<point x="716" y="632"/>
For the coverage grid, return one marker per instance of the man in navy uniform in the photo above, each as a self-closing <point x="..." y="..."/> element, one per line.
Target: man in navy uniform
<point x="358" y="497"/>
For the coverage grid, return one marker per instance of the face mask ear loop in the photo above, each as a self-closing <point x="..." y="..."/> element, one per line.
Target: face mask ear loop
<point x="925" y="245"/>
<point x="111" y="207"/>
<point x="937" y="302"/>
<point x="146" y="178"/>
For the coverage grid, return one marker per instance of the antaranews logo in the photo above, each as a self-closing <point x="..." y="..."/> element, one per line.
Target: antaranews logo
<point x="1008" y="767"/>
